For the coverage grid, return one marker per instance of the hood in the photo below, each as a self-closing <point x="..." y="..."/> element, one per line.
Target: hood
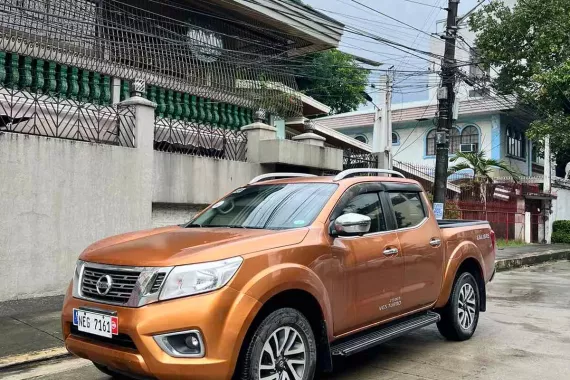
<point x="176" y="245"/>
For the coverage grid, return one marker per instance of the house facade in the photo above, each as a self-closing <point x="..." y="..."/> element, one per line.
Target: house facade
<point x="483" y="124"/>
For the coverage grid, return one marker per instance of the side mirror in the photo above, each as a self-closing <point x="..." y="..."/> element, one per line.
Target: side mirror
<point x="351" y="224"/>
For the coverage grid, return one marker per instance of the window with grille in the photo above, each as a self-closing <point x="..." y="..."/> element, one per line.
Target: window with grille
<point x="361" y="138"/>
<point x="395" y="139"/>
<point x="470" y="135"/>
<point x="454" y="140"/>
<point x="515" y="143"/>
<point x="430" y="143"/>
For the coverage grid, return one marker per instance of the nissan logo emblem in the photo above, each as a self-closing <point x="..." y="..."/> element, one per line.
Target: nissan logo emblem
<point x="104" y="285"/>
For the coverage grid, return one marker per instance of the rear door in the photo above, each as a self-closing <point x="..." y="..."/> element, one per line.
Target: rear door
<point x="421" y="244"/>
<point x="370" y="267"/>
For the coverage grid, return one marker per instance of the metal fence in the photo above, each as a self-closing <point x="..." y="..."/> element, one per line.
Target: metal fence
<point x="354" y="159"/>
<point x="61" y="117"/>
<point x="202" y="49"/>
<point x="191" y="138"/>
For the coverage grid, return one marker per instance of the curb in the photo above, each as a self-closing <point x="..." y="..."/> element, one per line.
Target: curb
<point x="531" y="259"/>
<point x="32" y="357"/>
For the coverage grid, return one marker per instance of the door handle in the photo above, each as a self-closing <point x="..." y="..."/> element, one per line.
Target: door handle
<point x="435" y="242"/>
<point x="391" y="251"/>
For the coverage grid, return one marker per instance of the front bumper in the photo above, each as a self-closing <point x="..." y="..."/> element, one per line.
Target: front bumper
<point x="222" y="317"/>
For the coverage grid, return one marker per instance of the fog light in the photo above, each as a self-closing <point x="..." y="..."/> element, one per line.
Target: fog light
<point x="184" y="344"/>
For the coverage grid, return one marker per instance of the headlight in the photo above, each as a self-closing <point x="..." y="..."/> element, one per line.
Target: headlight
<point x="187" y="280"/>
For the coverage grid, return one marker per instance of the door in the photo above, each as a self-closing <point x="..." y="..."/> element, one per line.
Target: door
<point x="370" y="267"/>
<point x="420" y="240"/>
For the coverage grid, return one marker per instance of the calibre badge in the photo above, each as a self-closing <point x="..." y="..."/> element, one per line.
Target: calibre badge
<point x="483" y="237"/>
<point x="394" y="302"/>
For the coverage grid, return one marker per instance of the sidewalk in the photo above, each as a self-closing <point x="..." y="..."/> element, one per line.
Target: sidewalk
<point x="31" y="329"/>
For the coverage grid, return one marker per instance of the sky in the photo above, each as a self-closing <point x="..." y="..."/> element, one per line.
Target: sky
<point x="422" y="16"/>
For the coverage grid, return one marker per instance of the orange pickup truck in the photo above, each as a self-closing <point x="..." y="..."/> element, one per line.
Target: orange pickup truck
<point x="276" y="279"/>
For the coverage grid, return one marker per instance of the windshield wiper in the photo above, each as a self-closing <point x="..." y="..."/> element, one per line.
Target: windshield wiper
<point x="193" y="225"/>
<point x="238" y="226"/>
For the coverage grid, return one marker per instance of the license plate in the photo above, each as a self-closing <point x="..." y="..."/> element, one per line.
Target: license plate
<point x="95" y="323"/>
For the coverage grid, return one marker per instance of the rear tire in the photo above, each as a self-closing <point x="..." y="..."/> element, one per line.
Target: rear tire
<point x="459" y="318"/>
<point x="282" y="347"/>
<point x="111" y="373"/>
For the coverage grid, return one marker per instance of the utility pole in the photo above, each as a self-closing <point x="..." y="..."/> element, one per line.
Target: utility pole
<point x="547" y="188"/>
<point x="382" y="132"/>
<point x="446" y="98"/>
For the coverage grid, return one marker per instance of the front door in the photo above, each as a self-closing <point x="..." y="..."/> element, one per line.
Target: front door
<point x="370" y="267"/>
<point x="422" y="249"/>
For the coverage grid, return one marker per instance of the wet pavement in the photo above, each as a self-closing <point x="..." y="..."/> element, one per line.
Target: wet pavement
<point x="524" y="335"/>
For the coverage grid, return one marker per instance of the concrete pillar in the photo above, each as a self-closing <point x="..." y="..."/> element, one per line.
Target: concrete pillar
<point x="143" y="110"/>
<point x="256" y="132"/>
<point x="309" y="137"/>
<point x="527" y="228"/>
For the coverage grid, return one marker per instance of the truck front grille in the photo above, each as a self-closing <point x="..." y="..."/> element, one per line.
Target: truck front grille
<point x="123" y="283"/>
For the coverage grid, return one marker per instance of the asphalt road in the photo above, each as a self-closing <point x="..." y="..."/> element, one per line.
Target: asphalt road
<point x="524" y="335"/>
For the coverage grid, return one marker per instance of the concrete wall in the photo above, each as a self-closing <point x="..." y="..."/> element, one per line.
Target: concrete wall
<point x="167" y="214"/>
<point x="59" y="196"/>
<point x="192" y="180"/>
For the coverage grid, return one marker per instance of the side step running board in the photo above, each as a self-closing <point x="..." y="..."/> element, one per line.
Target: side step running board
<point x="380" y="335"/>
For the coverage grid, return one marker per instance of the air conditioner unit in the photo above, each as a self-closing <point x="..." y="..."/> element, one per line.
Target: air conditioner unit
<point x="468" y="148"/>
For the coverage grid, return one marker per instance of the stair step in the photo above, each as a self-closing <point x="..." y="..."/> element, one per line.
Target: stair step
<point x="383" y="334"/>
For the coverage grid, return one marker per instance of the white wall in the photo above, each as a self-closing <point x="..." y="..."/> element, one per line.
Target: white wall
<point x="192" y="180"/>
<point x="59" y="196"/>
<point x="167" y="214"/>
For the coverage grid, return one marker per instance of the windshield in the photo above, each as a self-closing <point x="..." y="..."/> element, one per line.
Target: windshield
<point x="280" y="206"/>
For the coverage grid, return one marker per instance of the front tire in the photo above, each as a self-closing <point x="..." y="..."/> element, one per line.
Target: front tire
<point x="459" y="318"/>
<point x="283" y="347"/>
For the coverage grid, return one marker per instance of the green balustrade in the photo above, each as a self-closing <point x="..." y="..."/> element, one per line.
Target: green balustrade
<point x="38" y="78"/>
<point x="61" y="81"/>
<point x="25" y="73"/>
<point x="215" y="114"/>
<point x="229" y="116"/>
<point x="73" y="83"/>
<point x="2" y="67"/>
<point x="169" y="104"/>
<point x="235" y="116"/>
<point x="161" y="102"/>
<point x="193" y="108"/>
<point x="125" y="91"/>
<point x="12" y="71"/>
<point x="186" y="112"/>
<point x="50" y="83"/>
<point x="242" y="120"/>
<point x="201" y="110"/>
<point x="105" y="89"/>
<point x="209" y="115"/>
<point x="95" y="87"/>
<point x="223" y="119"/>
<point x="84" y="90"/>
<point x="177" y="105"/>
<point x="151" y="93"/>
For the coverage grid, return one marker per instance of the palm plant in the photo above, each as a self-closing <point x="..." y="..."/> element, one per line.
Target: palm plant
<point x="482" y="168"/>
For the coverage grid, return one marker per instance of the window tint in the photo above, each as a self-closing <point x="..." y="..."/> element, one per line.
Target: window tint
<point x="408" y="208"/>
<point x="367" y="204"/>
<point x="271" y="207"/>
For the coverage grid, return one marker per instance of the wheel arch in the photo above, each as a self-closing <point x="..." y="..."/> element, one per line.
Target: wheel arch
<point x="466" y="258"/>
<point x="295" y="287"/>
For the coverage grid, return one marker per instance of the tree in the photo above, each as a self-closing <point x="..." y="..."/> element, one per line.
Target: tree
<point x="333" y="78"/>
<point x="529" y="45"/>
<point x="482" y="168"/>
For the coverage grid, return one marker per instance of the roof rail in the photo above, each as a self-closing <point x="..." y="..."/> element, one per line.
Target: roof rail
<point x="263" y="177"/>
<point x="347" y="173"/>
